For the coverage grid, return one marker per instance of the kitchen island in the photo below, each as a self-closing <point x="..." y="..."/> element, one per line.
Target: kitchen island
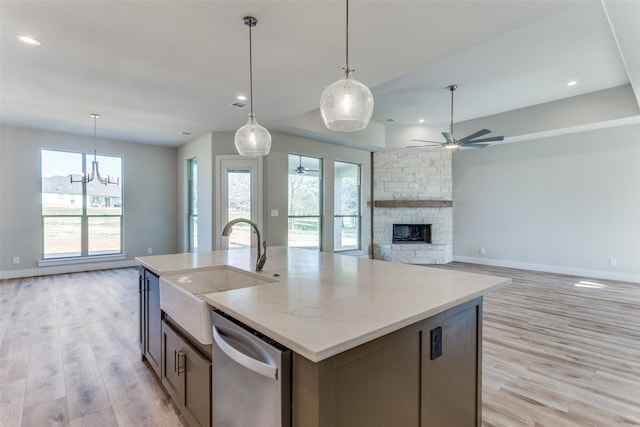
<point x="375" y="343"/>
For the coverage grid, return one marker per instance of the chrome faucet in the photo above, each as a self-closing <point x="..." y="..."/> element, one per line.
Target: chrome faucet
<point x="262" y="257"/>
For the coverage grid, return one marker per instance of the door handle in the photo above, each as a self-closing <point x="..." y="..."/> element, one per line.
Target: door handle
<point x="181" y="362"/>
<point x="248" y="362"/>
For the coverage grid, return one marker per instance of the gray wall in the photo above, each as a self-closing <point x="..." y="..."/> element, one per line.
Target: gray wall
<point x="274" y="180"/>
<point x="277" y="184"/>
<point x="563" y="204"/>
<point x="201" y="148"/>
<point x="149" y="188"/>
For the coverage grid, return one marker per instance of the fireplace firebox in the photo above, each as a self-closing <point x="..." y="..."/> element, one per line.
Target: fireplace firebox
<point x="411" y="233"/>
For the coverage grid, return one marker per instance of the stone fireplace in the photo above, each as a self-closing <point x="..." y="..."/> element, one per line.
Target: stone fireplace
<point x="413" y="188"/>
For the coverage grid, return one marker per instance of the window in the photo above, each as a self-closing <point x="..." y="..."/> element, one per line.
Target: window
<point x="305" y="201"/>
<point x="78" y="219"/>
<point x="192" y="179"/>
<point x="239" y="197"/>
<point x="346" y="234"/>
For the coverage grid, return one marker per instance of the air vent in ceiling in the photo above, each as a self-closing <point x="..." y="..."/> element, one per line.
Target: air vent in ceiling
<point x="239" y="105"/>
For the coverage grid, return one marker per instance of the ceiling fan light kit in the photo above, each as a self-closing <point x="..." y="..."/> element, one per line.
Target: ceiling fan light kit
<point x="346" y="105"/>
<point x="451" y="142"/>
<point x="252" y="140"/>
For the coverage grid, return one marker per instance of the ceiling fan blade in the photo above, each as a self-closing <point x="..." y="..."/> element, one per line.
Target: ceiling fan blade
<point x="475" y="135"/>
<point x="427" y="141"/>
<point x="448" y="136"/>
<point x="475" y="145"/>
<point x="429" y="147"/>
<point x="491" y="139"/>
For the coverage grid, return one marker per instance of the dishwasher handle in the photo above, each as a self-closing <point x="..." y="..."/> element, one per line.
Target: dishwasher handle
<point x="255" y="365"/>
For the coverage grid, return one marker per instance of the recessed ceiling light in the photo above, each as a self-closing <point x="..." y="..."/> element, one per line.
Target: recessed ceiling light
<point x="421" y="121"/>
<point x="241" y="98"/>
<point x="391" y="120"/>
<point x="28" y="40"/>
<point x="572" y="83"/>
<point x="186" y="133"/>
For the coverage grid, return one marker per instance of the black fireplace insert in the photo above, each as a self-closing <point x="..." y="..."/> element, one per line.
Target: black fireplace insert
<point x="411" y="233"/>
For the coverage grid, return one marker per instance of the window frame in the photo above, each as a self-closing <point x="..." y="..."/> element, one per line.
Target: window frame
<point x="84" y="215"/>
<point x="319" y="216"/>
<point x="357" y="215"/>
<point x="192" y="204"/>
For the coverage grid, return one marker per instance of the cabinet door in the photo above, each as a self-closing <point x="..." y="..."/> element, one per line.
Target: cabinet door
<point x="197" y="398"/>
<point x="154" y="322"/>
<point x="173" y="366"/>
<point x="142" y="313"/>
<point x="186" y="375"/>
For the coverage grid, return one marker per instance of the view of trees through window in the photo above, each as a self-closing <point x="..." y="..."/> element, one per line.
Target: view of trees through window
<point x="346" y="205"/>
<point x="305" y="201"/>
<point x="239" y="206"/>
<point x="192" y="173"/>
<point x="80" y="219"/>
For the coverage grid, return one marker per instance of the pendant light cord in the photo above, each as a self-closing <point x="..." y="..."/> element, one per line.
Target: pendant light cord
<point x="250" y="70"/>
<point x="347" y="40"/>
<point x="95" y="137"/>
<point x="346" y="68"/>
<point x="452" y="88"/>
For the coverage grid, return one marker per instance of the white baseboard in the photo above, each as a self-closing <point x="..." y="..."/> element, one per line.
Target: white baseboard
<point x="69" y="268"/>
<point x="596" y="274"/>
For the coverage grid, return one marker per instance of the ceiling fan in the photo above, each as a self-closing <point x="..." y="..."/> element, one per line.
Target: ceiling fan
<point x="301" y="170"/>
<point x="452" y="142"/>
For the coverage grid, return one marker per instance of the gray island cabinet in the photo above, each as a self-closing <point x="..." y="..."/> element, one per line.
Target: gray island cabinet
<point x="426" y="374"/>
<point x="150" y="318"/>
<point x="374" y="343"/>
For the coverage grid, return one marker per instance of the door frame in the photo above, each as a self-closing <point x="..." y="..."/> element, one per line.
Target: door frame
<point x="223" y="163"/>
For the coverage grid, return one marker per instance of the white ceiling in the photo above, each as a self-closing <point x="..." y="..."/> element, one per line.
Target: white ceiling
<point x="153" y="69"/>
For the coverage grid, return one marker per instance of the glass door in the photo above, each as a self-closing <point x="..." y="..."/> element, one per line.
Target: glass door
<point x="238" y="199"/>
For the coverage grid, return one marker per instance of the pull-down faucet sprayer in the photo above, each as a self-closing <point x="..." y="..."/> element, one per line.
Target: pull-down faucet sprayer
<point x="262" y="257"/>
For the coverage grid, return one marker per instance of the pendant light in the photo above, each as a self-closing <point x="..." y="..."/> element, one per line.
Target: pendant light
<point x="95" y="170"/>
<point x="347" y="104"/>
<point x="252" y="139"/>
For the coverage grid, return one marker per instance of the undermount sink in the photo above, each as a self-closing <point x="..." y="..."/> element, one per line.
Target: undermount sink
<point x="181" y="296"/>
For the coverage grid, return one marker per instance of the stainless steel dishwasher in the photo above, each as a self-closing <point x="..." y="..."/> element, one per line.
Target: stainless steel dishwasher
<point x="251" y="377"/>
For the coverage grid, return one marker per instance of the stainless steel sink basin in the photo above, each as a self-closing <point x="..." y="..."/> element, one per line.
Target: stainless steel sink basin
<point x="181" y="296"/>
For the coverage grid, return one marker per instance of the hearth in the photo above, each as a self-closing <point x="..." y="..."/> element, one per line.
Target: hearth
<point x="411" y="233"/>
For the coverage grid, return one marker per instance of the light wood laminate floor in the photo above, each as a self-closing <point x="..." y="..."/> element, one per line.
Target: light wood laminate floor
<point x="560" y="351"/>
<point x="554" y="354"/>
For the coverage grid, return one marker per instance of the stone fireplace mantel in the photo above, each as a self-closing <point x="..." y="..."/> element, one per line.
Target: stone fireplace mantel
<point x="412" y="203"/>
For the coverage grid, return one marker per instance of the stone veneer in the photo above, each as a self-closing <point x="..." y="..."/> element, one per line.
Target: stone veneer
<point x="413" y="175"/>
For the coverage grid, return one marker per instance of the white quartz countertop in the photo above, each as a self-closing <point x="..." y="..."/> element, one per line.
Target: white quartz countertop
<point x="323" y="304"/>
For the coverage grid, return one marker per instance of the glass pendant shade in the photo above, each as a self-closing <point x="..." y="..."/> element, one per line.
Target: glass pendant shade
<point x="252" y="139"/>
<point x="346" y="105"/>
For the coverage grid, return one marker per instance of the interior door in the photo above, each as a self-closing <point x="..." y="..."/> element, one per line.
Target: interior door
<point x="239" y="198"/>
